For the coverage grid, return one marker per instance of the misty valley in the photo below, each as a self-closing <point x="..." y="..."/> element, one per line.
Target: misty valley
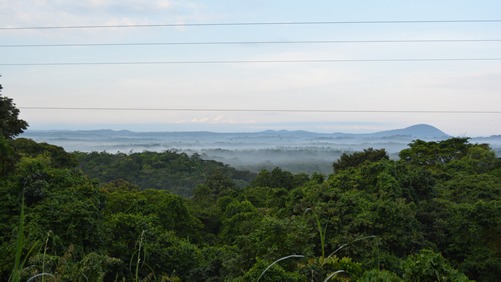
<point x="295" y="151"/>
<point x="169" y="141"/>
<point x="410" y="204"/>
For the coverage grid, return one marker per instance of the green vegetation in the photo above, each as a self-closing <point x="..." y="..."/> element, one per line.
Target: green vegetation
<point x="432" y="215"/>
<point x="10" y="123"/>
<point x="169" y="170"/>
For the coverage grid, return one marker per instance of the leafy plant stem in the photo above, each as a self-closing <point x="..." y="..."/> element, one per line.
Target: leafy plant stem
<point x="321" y="232"/>
<point x="43" y="274"/>
<point x="44" y="253"/>
<point x="332" y="275"/>
<point x="278" y="260"/>
<point x="139" y="255"/>
<point x="344" y="245"/>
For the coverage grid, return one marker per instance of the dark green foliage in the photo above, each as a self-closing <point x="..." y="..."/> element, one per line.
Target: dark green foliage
<point x="7" y="157"/>
<point x="95" y="267"/>
<point x="216" y="264"/>
<point x="376" y="275"/>
<point x="429" y="266"/>
<point x="58" y="156"/>
<point x="10" y="124"/>
<point x="433" y="215"/>
<point x="277" y="178"/>
<point x="169" y="170"/>
<point x="355" y="159"/>
<point x="430" y="154"/>
<point x="274" y="273"/>
<point x="274" y="238"/>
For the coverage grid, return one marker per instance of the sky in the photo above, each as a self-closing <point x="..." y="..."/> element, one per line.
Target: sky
<point x="185" y="87"/>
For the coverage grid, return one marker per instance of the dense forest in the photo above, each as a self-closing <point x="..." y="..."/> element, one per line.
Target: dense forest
<point x="169" y="170"/>
<point x="434" y="214"/>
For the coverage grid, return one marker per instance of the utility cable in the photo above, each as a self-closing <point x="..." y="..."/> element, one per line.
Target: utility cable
<point x="260" y="110"/>
<point x="248" y="42"/>
<point x="251" y="61"/>
<point x="253" y="24"/>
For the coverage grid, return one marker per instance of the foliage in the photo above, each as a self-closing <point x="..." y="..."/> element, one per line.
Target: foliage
<point x="375" y="275"/>
<point x="59" y="157"/>
<point x="276" y="178"/>
<point x="274" y="273"/>
<point x="431" y="154"/>
<point x="355" y="159"/>
<point x="433" y="215"/>
<point x="429" y="266"/>
<point x="10" y="124"/>
<point x="7" y="157"/>
<point x="169" y="170"/>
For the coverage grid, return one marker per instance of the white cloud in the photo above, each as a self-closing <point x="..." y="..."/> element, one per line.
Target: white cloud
<point x="218" y="119"/>
<point x="164" y="4"/>
<point x="90" y="12"/>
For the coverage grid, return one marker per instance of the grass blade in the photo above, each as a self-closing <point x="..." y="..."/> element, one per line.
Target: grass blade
<point x="278" y="260"/>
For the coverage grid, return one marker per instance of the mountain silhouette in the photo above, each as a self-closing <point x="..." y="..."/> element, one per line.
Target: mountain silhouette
<point x="416" y="131"/>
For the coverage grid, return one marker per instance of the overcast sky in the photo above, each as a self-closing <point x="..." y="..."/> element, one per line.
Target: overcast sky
<point x="353" y="92"/>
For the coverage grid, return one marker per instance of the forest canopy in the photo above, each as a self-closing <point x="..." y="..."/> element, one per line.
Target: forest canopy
<point x="434" y="214"/>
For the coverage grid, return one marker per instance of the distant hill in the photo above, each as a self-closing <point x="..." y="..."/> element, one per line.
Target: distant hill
<point x="295" y="151"/>
<point x="423" y="131"/>
<point x="418" y="131"/>
<point x="415" y="131"/>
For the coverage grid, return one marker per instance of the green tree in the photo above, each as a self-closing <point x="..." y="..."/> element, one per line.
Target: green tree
<point x="169" y="170"/>
<point x="7" y="157"/>
<point x="430" y="266"/>
<point x="375" y="275"/>
<point x="435" y="154"/>
<point x="474" y="242"/>
<point x="275" y="238"/>
<point x="59" y="157"/>
<point x="278" y="178"/>
<point x="10" y="124"/>
<point x="348" y="160"/>
<point x="274" y="273"/>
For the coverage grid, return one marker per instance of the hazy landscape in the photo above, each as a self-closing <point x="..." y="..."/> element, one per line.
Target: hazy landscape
<point x="211" y="141"/>
<point x="295" y="151"/>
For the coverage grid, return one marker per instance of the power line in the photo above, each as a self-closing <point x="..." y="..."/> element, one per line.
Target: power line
<point x="251" y="61"/>
<point x="260" y="110"/>
<point x="248" y="42"/>
<point x="252" y="24"/>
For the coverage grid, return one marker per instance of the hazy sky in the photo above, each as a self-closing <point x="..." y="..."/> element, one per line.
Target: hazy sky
<point x="360" y="88"/>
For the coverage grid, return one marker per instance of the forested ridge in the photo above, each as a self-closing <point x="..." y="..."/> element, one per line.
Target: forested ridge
<point x="432" y="215"/>
<point x="174" y="171"/>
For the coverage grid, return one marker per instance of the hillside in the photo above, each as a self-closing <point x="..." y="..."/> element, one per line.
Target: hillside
<point x="418" y="131"/>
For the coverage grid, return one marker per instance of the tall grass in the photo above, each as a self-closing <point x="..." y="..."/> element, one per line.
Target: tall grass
<point x="16" y="271"/>
<point x="140" y="260"/>
<point x="321" y="231"/>
<point x="44" y="253"/>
